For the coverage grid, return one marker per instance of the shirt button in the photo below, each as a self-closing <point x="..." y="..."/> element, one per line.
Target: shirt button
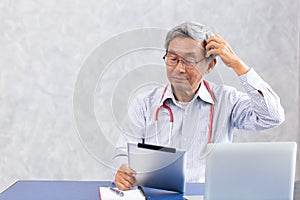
<point x="244" y="83"/>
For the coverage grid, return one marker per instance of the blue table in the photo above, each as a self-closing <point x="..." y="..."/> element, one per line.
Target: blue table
<point x="80" y="190"/>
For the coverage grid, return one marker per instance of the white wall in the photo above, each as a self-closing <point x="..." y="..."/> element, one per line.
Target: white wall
<point x="45" y="45"/>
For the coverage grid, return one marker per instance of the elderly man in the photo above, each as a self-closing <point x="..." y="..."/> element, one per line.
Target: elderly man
<point x="190" y="112"/>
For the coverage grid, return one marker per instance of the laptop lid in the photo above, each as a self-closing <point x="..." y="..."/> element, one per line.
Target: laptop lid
<point x="157" y="166"/>
<point x="250" y="171"/>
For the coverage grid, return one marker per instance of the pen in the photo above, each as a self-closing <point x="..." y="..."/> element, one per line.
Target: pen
<point x="142" y="191"/>
<point x="118" y="192"/>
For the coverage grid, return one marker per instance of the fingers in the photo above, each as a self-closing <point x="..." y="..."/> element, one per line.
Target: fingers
<point x="213" y="48"/>
<point x="218" y="46"/>
<point x="125" y="177"/>
<point x="215" y="45"/>
<point x="123" y="181"/>
<point x="216" y="38"/>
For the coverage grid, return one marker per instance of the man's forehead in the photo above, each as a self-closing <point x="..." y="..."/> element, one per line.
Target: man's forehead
<point x="186" y="41"/>
<point x="186" y="46"/>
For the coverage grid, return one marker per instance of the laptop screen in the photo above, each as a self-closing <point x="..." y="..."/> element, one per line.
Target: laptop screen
<point x="250" y="171"/>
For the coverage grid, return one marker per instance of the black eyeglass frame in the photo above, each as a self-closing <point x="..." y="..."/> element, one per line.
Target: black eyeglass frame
<point x="186" y="63"/>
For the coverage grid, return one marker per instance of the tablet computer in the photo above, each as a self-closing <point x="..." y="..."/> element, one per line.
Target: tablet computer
<point x="157" y="166"/>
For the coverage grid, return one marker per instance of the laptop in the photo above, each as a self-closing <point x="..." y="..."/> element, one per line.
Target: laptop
<point x="250" y="171"/>
<point x="157" y="166"/>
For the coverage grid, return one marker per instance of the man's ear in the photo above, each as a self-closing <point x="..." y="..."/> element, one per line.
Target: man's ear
<point x="212" y="63"/>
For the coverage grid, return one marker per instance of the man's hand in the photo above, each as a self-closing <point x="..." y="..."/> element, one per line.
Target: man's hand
<point x="218" y="46"/>
<point x="125" y="177"/>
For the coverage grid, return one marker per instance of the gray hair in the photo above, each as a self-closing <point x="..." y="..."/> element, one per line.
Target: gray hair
<point x="192" y="30"/>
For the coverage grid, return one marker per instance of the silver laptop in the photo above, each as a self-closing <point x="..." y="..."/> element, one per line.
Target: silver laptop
<point x="251" y="171"/>
<point x="157" y="166"/>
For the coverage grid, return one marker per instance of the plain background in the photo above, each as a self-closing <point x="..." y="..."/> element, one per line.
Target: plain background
<point x="44" y="43"/>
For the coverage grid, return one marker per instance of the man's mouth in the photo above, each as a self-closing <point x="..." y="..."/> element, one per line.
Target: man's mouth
<point x="179" y="78"/>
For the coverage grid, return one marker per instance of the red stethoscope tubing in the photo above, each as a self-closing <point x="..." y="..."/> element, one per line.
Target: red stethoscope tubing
<point x="171" y="113"/>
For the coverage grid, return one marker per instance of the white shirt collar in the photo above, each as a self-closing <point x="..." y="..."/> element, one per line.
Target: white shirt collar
<point x="203" y="94"/>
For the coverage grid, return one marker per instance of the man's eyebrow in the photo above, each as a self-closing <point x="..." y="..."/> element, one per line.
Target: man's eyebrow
<point x="190" y="54"/>
<point x="170" y="51"/>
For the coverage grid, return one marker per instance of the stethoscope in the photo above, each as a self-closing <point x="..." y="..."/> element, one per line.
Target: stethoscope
<point x="172" y="118"/>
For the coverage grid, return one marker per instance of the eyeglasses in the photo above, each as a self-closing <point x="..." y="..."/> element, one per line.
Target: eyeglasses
<point x="172" y="59"/>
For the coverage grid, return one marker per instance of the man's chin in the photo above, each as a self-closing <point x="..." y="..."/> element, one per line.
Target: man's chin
<point x="182" y="85"/>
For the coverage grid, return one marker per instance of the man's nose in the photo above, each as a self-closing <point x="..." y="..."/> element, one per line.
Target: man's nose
<point x="180" y="67"/>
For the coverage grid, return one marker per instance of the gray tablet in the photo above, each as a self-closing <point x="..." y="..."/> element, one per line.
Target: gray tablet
<point x="157" y="166"/>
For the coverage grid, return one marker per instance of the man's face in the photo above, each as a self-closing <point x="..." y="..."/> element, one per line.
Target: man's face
<point x="181" y="76"/>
